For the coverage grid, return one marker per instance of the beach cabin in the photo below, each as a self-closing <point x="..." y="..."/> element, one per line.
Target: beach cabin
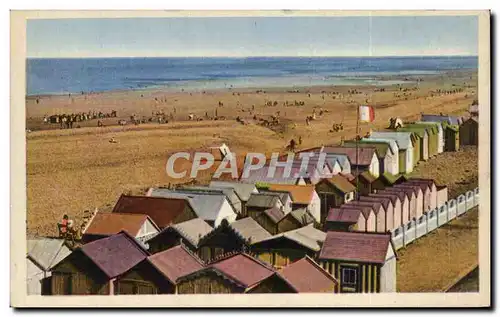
<point x="407" y="198"/>
<point x="392" y="144"/>
<point x="367" y="159"/>
<point x="288" y="247"/>
<point x="158" y="273"/>
<point x="92" y="268"/>
<point x="242" y="190"/>
<point x="364" y="183"/>
<point x="102" y="225"/>
<point x="433" y="135"/>
<point x="452" y="138"/>
<point x="333" y="192"/>
<point x="42" y="255"/>
<point x="284" y="195"/>
<point x="163" y="211"/>
<point x="342" y="160"/>
<point x="298" y="175"/>
<point x="259" y="202"/>
<point x="345" y="219"/>
<point x="250" y="230"/>
<point x="233" y="273"/>
<point x="440" y="129"/>
<point x="388" y="160"/>
<point x="388" y="209"/>
<point x="405" y="148"/>
<point x="387" y="180"/>
<point x="275" y="221"/>
<point x="469" y="132"/>
<point x="396" y="205"/>
<point x="221" y="240"/>
<point x="307" y="276"/>
<point x="230" y="194"/>
<point x="429" y="189"/>
<point x="368" y="214"/>
<point x="303" y="196"/>
<point x="423" y="138"/>
<point x="212" y="207"/>
<point x="418" y="202"/>
<point x="361" y="262"/>
<point x="187" y="233"/>
<point x="377" y="209"/>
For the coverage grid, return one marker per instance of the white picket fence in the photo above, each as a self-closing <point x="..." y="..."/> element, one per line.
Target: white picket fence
<point x="434" y="219"/>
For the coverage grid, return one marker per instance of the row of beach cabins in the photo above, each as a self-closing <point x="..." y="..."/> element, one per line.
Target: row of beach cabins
<point x="259" y="234"/>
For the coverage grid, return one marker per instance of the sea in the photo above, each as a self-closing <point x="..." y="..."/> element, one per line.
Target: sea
<point x="76" y="75"/>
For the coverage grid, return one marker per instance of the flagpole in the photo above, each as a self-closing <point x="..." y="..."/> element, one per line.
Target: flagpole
<point x="357" y="162"/>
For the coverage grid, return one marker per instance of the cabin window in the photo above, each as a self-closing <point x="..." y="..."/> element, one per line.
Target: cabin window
<point x="441" y="210"/>
<point x="408" y="227"/>
<point x="431" y="214"/>
<point x="349" y="277"/>
<point x="396" y="232"/>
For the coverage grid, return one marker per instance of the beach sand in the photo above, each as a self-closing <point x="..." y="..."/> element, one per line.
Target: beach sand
<point x="71" y="170"/>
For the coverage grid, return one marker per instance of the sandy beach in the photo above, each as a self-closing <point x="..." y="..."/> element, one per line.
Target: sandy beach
<point x="71" y="170"/>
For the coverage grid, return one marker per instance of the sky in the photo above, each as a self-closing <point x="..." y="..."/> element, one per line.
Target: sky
<point x="253" y="36"/>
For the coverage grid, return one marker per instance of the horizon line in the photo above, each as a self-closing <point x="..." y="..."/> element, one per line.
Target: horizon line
<point x="254" y="56"/>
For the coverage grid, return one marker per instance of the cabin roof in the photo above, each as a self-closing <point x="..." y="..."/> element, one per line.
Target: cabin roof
<point x="390" y="178"/>
<point x="230" y="194"/>
<point x="345" y="215"/>
<point x="341" y="183"/>
<point x="161" y="210"/>
<point x="306" y="276"/>
<point x="176" y="262"/>
<point x="365" y="210"/>
<point x="279" y="177"/>
<point x="384" y="201"/>
<point x="263" y="200"/>
<point x="355" y="246"/>
<point x="115" y="254"/>
<point x="366" y="175"/>
<point x="375" y="206"/>
<point x="249" y="229"/>
<point x="402" y="139"/>
<point x="274" y="214"/>
<point x="392" y="143"/>
<point x="192" y="230"/>
<point x="282" y="194"/>
<point x="401" y="192"/>
<point x="106" y="224"/>
<point x="205" y="204"/>
<point x="244" y="269"/>
<point x="365" y="155"/>
<point x="301" y="194"/>
<point x="415" y="188"/>
<point x="302" y="215"/>
<point x="47" y="252"/>
<point x="417" y="129"/>
<point x="380" y="147"/>
<point x="438" y="118"/>
<point x="307" y="236"/>
<point x="392" y="196"/>
<point x="243" y="190"/>
<point x="422" y="182"/>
